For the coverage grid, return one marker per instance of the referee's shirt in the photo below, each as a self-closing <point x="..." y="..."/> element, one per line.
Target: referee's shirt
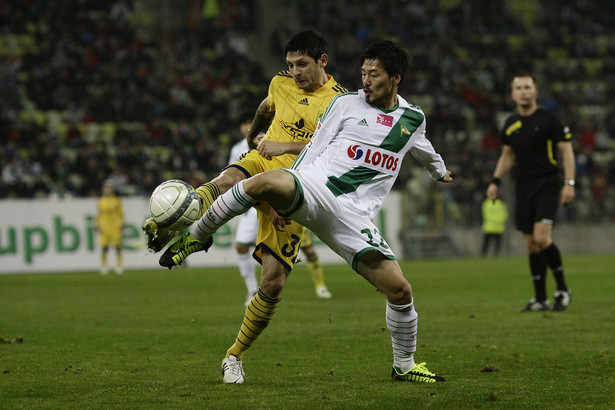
<point x="534" y="139"/>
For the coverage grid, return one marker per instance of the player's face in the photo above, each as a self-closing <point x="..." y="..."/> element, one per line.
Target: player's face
<point x="309" y="75"/>
<point x="107" y="189"/>
<point x="244" y="127"/>
<point x="380" y="88"/>
<point x="524" y="91"/>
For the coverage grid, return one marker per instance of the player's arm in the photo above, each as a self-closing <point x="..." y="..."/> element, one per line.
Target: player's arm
<point x="120" y="213"/>
<point x="504" y="164"/>
<point x="279" y="222"/>
<point x="423" y="151"/>
<point x="97" y="219"/>
<point x="567" y="155"/>
<point x="261" y="121"/>
<point x="269" y="149"/>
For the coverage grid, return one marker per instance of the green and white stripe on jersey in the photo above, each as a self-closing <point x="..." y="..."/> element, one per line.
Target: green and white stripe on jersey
<point x="351" y="180"/>
<point x="396" y="139"/>
<point x="401" y="132"/>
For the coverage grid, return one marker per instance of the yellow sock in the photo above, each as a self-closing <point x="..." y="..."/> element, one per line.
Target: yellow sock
<point x="208" y="193"/>
<point x="103" y="259"/>
<point x="318" y="276"/>
<point x="118" y="259"/>
<point x="258" y="314"/>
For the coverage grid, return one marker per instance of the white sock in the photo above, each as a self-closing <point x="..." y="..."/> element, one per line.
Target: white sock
<point x="246" y="269"/>
<point x="233" y="202"/>
<point x="402" y="324"/>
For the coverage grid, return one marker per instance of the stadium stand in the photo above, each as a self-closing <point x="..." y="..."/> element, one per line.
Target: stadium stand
<point x="89" y="91"/>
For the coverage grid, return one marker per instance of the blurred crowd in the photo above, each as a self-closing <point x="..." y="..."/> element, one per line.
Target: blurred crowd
<point x="86" y="96"/>
<point x="88" y="93"/>
<point x="464" y="55"/>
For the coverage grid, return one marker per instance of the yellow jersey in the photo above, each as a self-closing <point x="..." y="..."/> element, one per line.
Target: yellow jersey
<point x="296" y="115"/>
<point x="110" y="214"/>
<point x="296" y="111"/>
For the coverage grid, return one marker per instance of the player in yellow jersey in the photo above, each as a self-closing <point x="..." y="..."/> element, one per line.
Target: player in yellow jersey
<point x="109" y="223"/>
<point x="296" y="99"/>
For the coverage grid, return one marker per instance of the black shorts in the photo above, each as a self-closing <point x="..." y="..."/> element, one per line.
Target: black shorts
<point x="537" y="201"/>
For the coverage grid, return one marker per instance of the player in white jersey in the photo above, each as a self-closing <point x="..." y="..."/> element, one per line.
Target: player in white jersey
<point x="339" y="182"/>
<point x="357" y="156"/>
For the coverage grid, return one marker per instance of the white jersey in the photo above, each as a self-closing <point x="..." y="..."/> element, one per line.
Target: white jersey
<point x="240" y="147"/>
<point x="357" y="150"/>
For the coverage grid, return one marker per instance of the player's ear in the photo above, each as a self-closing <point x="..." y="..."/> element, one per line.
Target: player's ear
<point x="323" y="60"/>
<point x="396" y="78"/>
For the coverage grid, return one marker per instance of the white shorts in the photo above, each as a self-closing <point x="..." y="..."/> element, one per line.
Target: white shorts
<point x="247" y="228"/>
<point x="347" y="233"/>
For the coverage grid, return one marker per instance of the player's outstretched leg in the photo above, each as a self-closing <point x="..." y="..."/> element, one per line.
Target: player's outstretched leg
<point x="199" y="238"/>
<point x="184" y="245"/>
<point x="156" y="238"/>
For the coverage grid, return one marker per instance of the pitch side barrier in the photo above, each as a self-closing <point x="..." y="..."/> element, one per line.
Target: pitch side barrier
<point x="58" y="235"/>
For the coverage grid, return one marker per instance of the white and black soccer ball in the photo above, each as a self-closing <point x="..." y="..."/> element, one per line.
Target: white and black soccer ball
<point x="174" y="205"/>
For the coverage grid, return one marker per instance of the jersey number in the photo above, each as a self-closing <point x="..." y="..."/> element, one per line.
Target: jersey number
<point x="372" y="238"/>
<point x="290" y="248"/>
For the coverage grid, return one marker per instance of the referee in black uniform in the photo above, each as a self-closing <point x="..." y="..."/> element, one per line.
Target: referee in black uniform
<point x="531" y="139"/>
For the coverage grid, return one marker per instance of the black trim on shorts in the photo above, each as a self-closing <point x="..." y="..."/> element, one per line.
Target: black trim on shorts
<point x="262" y="246"/>
<point x="242" y="169"/>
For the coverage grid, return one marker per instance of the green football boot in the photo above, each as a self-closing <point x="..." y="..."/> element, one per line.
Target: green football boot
<point x="418" y="374"/>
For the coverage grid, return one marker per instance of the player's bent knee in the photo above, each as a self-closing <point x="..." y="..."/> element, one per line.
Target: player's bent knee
<point x="228" y="178"/>
<point x="273" y="276"/>
<point x="242" y="248"/>
<point x="272" y="286"/>
<point x="400" y="294"/>
<point x="309" y="251"/>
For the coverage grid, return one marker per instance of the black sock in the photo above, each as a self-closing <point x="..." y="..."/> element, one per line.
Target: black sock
<point x="538" y="268"/>
<point x="554" y="261"/>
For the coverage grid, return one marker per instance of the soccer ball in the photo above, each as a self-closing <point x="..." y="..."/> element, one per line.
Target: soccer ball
<point x="174" y="205"/>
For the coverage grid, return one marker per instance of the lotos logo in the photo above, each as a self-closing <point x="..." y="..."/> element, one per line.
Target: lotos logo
<point x="375" y="158"/>
<point x="354" y="152"/>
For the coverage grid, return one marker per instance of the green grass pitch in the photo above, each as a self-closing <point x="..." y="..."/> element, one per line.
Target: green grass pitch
<point x="155" y="339"/>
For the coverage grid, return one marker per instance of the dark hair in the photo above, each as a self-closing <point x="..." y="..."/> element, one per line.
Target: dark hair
<point x="245" y="116"/>
<point x="306" y="42"/>
<point x="393" y="58"/>
<point x="522" y="73"/>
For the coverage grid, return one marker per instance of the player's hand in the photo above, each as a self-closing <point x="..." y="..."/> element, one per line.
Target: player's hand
<point x="448" y="177"/>
<point x="567" y="195"/>
<point x="269" y="149"/>
<point x="253" y="142"/>
<point x="279" y="222"/>
<point x="492" y="191"/>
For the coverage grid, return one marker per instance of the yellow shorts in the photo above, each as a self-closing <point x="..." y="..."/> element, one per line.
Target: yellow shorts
<point x="284" y="246"/>
<point x="252" y="163"/>
<point x="111" y="237"/>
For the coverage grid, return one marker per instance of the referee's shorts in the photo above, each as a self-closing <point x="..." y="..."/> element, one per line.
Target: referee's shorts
<point x="537" y="201"/>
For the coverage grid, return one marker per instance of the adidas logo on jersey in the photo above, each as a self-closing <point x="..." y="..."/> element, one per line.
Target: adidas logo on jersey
<point x="363" y="123"/>
<point x="304" y="102"/>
